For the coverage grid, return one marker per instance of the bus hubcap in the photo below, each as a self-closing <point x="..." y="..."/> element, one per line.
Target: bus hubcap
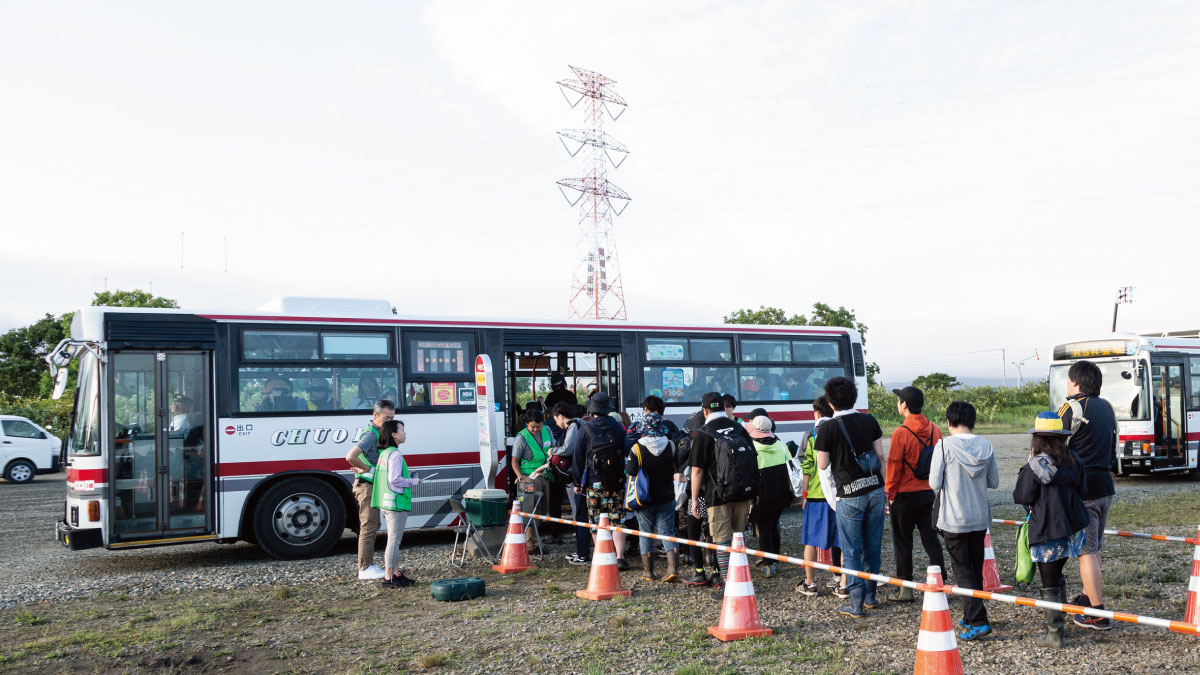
<point x="300" y="518"/>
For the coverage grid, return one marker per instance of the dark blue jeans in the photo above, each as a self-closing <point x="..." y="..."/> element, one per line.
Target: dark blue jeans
<point x="860" y="529"/>
<point x="659" y="519"/>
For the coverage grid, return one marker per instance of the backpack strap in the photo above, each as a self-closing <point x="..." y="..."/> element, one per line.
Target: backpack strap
<point x="905" y="461"/>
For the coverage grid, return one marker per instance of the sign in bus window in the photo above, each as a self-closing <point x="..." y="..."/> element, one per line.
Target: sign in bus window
<point x="286" y="390"/>
<point x="1195" y="372"/>
<point x="440" y="355"/>
<point x="355" y="346"/>
<point x="279" y="345"/>
<point x="711" y="349"/>
<point x="816" y="351"/>
<point x="666" y="349"/>
<point x="788" y="383"/>
<point x="766" y="350"/>
<point x="675" y="384"/>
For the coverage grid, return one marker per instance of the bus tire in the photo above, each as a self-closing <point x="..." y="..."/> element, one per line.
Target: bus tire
<point x="299" y="518"/>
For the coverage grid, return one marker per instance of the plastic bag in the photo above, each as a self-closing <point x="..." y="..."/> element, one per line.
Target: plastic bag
<point x="1024" y="571"/>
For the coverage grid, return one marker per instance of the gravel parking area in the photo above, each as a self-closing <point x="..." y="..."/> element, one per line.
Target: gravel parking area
<point x="1146" y="577"/>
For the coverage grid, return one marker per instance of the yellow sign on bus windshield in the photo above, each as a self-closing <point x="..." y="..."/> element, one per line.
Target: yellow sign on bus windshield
<point x="1096" y="349"/>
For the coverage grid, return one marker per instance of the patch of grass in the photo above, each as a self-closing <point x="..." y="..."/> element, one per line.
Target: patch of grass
<point x="434" y="660"/>
<point x="29" y="619"/>
<point x="619" y="621"/>
<point x="281" y="592"/>
<point x="1176" y="509"/>
<point x="553" y="588"/>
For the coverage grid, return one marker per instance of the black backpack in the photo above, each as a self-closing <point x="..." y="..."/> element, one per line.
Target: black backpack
<point x="924" y="459"/>
<point x="735" y="464"/>
<point x="604" y="457"/>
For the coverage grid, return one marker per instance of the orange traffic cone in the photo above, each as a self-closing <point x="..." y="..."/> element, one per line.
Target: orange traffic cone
<point x="937" y="647"/>
<point x="516" y="552"/>
<point x="604" y="581"/>
<point x="1191" y="612"/>
<point x="991" y="574"/>
<point x="739" y="612"/>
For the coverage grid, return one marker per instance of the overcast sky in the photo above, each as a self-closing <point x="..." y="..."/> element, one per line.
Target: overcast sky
<point x="966" y="176"/>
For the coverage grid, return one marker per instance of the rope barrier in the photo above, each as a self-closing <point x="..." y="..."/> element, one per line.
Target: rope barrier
<point x="1119" y="533"/>
<point x="1178" y="626"/>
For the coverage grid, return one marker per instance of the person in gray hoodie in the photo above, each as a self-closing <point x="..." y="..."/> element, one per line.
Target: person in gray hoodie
<point x="963" y="469"/>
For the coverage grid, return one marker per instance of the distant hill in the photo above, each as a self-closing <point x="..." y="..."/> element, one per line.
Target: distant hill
<point x="967" y="381"/>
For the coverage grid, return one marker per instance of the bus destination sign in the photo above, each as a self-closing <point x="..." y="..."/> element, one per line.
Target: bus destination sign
<point x="1095" y="349"/>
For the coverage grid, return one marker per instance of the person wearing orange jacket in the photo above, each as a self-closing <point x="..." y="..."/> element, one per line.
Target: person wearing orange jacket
<point x="910" y="498"/>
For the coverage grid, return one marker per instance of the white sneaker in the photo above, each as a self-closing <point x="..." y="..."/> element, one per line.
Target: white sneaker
<point x="372" y="572"/>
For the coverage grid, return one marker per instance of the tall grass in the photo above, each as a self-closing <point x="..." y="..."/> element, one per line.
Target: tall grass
<point x="998" y="408"/>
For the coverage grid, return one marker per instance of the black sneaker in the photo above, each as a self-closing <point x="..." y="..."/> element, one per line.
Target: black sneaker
<point x="1093" y="622"/>
<point x="576" y="559"/>
<point x="806" y="589"/>
<point x="622" y="565"/>
<point x="842" y="592"/>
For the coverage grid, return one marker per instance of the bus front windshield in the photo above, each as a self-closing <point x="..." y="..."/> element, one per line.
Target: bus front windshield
<point x="1119" y="387"/>
<point x="85" y="426"/>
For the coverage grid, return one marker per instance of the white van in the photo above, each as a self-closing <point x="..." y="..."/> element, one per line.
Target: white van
<point x="26" y="449"/>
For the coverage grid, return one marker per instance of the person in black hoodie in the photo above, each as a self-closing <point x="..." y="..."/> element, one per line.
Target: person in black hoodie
<point x="774" y="486"/>
<point x="603" y="478"/>
<point x="654" y="455"/>
<point x="1051" y="486"/>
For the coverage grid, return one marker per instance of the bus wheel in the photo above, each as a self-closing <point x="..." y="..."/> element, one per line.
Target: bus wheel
<point x="299" y="518"/>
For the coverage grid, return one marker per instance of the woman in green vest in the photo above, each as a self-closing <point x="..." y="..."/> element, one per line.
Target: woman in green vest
<point x="530" y="457"/>
<point x="392" y="495"/>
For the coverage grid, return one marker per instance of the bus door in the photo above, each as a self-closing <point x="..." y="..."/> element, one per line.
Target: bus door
<point x="1167" y="392"/>
<point x="162" y="444"/>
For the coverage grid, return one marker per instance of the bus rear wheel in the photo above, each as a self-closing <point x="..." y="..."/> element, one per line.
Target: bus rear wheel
<point x="299" y="518"/>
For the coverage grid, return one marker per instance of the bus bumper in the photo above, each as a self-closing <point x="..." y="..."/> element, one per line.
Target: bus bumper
<point x="76" y="539"/>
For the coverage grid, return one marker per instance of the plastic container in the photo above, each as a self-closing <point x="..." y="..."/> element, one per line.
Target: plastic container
<point x="455" y="590"/>
<point x="486" y="508"/>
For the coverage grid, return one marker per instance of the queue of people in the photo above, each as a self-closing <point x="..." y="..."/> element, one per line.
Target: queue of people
<point x="720" y="473"/>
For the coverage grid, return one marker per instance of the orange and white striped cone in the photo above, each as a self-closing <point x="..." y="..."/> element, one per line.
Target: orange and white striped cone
<point x="739" y="611"/>
<point x="991" y="573"/>
<point x="1191" y="612"/>
<point x="604" y="581"/>
<point x="937" y="646"/>
<point x="516" y="550"/>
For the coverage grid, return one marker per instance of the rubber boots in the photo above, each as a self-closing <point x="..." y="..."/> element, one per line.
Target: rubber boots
<point x="648" y="567"/>
<point x="1054" y="618"/>
<point x="903" y="594"/>
<point x="672" y="567"/>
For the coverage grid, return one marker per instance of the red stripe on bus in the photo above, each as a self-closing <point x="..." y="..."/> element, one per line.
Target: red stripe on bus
<point x="98" y="475"/>
<point x="266" y="468"/>
<point x="1136" y="437"/>
<point x="1175" y="347"/>
<point x="576" y="326"/>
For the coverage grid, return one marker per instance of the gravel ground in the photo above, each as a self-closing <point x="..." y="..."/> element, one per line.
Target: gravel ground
<point x="35" y="569"/>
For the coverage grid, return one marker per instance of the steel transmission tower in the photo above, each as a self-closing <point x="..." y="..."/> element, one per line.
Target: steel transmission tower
<point x="596" y="291"/>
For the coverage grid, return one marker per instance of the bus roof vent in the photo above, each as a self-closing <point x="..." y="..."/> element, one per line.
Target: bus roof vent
<point x="329" y="307"/>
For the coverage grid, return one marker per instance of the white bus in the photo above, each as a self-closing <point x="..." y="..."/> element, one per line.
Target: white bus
<point x="234" y="426"/>
<point x="1162" y="368"/>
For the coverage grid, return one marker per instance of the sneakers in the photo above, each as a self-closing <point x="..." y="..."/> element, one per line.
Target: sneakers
<point x="834" y="582"/>
<point x="806" y="589"/>
<point x="842" y="592"/>
<point x="975" y="632"/>
<point x="576" y="559"/>
<point x="696" y="578"/>
<point x="1093" y="622"/>
<point x="372" y="572"/>
<point x="622" y="565"/>
<point x="849" y="611"/>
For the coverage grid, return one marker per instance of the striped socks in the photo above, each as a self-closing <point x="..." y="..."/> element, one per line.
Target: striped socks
<point x="723" y="560"/>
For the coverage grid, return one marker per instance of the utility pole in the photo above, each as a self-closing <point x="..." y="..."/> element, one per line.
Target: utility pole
<point x="1124" y="296"/>
<point x="1004" y="366"/>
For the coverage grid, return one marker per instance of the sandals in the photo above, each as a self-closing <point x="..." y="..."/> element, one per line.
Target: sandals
<point x="647" y="577"/>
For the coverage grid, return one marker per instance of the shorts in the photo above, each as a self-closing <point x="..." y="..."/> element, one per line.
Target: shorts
<point x="1097" y="520"/>
<point x="820" y="526"/>
<point x="725" y="519"/>
<point x="1057" y="549"/>
<point x="606" y="502"/>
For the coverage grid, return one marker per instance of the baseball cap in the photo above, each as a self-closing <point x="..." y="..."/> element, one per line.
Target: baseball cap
<point x="911" y="396"/>
<point x="712" y="401"/>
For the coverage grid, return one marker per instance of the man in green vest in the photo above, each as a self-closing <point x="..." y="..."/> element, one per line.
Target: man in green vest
<point x="362" y="458"/>
<point x="530" y="455"/>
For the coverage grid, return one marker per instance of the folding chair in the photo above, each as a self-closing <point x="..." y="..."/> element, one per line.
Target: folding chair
<point x="532" y="523"/>
<point x="467" y="531"/>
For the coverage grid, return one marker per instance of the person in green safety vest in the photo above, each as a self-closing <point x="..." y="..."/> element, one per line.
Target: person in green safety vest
<point x="362" y="457"/>
<point x="392" y="495"/>
<point x="530" y="459"/>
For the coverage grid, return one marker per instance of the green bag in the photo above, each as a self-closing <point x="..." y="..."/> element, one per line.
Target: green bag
<point x="1024" y="555"/>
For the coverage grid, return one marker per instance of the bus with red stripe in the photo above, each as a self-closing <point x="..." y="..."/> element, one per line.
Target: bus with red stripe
<point x="234" y="426"/>
<point x="1153" y="384"/>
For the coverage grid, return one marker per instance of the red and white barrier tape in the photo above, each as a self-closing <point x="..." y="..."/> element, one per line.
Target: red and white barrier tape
<point x="1119" y="533"/>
